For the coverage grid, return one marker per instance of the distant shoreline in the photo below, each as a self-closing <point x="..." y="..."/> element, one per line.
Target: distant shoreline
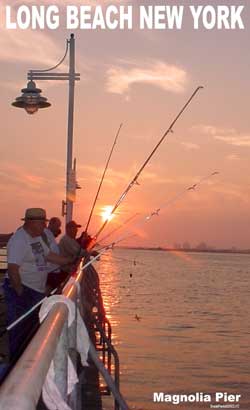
<point x="191" y="250"/>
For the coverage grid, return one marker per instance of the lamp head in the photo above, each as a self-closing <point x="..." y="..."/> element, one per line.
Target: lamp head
<point x="31" y="99"/>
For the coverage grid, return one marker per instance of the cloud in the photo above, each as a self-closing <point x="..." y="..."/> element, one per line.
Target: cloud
<point x="15" y="176"/>
<point x="212" y="130"/>
<point x="157" y="73"/>
<point x="190" y="145"/>
<point x="232" y="192"/>
<point x="54" y="162"/>
<point x="237" y="140"/>
<point x="29" y="181"/>
<point x="17" y="46"/>
<point x="228" y="135"/>
<point x="232" y="157"/>
<point x="33" y="47"/>
<point x="115" y="178"/>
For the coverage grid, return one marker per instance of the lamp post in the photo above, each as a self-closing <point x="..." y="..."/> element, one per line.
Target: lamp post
<point x="32" y="100"/>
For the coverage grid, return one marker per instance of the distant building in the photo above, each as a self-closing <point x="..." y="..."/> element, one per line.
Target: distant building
<point x="177" y="246"/>
<point x="186" y="245"/>
<point x="202" y="246"/>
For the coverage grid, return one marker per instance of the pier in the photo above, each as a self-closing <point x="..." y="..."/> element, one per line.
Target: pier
<point x="55" y="341"/>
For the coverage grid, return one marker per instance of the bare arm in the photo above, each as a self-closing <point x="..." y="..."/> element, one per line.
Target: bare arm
<point x="14" y="277"/>
<point x="58" y="259"/>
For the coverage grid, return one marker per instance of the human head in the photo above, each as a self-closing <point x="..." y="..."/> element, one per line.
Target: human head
<point x="35" y="221"/>
<point x="54" y="226"/>
<point x="71" y="229"/>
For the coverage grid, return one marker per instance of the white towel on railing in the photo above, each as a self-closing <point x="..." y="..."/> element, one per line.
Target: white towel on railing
<point x="51" y="394"/>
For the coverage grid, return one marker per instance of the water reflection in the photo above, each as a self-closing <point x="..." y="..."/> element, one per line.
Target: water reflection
<point x="193" y="334"/>
<point x="108" y="275"/>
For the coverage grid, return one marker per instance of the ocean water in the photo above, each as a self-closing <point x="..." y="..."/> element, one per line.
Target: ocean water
<point x="180" y="325"/>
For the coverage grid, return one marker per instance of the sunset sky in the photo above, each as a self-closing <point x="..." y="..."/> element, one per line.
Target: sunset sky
<point x="140" y="78"/>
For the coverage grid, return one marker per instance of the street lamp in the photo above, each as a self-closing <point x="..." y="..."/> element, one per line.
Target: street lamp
<point x="32" y="100"/>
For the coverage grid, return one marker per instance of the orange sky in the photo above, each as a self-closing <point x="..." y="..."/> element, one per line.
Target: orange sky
<point x="141" y="78"/>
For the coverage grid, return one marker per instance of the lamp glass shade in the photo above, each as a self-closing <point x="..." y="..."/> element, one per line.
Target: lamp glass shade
<point x="31" y="109"/>
<point x="31" y="99"/>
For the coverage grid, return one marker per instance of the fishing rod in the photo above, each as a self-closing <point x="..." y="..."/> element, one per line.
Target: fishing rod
<point x="118" y="228"/>
<point x="103" y="176"/>
<point x="157" y="211"/>
<point x="35" y="306"/>
<point x="134" y="180"/>
<point x="111" y="245"/>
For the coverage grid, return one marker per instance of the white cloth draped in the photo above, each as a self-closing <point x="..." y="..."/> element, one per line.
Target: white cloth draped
<point x="51" y="394"/>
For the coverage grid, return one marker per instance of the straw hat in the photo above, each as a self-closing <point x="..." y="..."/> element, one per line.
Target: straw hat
<point x="35" y="214"/>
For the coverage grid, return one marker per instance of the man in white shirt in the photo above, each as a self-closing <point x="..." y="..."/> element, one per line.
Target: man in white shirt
<point x="27" y="256"/>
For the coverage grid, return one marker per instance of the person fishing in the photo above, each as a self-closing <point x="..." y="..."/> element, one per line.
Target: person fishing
<point x="54" y="227"/>
<point x="56" y="276"/>
<point x="27" y="269"/>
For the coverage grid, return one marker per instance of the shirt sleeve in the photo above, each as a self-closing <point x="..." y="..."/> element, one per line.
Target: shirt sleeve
<point x="16" y="250"/>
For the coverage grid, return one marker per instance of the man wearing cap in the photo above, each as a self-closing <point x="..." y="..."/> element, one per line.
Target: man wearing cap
<point x="27" y="256"/>
<point x="68" y="245"/>
<point x="72" y="247"/>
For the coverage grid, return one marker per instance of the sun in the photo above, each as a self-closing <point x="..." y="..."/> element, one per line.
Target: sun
<point x="106" y="213"/>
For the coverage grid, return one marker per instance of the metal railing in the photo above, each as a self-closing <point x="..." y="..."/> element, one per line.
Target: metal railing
<point x="22" y="388"/>
<point x="102" y="331"/>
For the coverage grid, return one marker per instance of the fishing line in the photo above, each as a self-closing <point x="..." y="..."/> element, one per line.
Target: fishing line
<point x="176" y="197"/>
<point x="118" y="228"/>
<point x="134" y="261"/>
<point x="103" y="176"/>
<point x="21" y="318"/>
<point x="111" y="246"/>
<point x="172" y="200"/>
<point x="134" y="180"/>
